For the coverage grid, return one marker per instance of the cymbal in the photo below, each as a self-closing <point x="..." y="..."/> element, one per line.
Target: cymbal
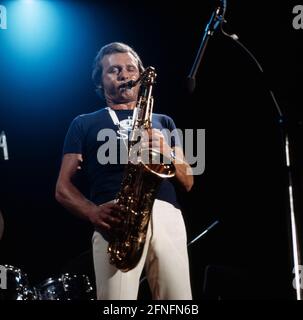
<point x="1" y="225"/>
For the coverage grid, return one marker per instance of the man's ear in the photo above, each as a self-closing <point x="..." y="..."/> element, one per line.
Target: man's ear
<point x="100" y="92"/>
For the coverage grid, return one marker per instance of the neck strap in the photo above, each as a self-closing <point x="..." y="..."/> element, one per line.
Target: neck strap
<point x="114" y="116"/>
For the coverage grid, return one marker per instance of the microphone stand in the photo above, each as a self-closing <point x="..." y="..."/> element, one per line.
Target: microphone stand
<point x="293" y="216"/>
<point x="216" y="20"/>
<point x="203" y="233"/>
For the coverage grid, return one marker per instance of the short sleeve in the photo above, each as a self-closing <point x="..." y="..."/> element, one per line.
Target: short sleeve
<point x="73" y="142"/>
<point x="174" y="132"/>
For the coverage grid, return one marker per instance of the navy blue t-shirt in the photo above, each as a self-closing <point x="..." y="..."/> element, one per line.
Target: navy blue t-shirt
<point x="104" y="180"/>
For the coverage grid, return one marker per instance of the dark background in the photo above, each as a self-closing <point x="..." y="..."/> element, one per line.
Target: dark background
<point x="244" y="186"/>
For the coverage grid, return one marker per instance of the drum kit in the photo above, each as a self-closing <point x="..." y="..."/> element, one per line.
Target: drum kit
<point x="66" y="286"/>
<point x="15" y="285"/>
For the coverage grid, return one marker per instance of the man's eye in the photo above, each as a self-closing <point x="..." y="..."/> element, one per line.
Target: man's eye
<point x="131" y="69"/>
<point x="113" y="70"/>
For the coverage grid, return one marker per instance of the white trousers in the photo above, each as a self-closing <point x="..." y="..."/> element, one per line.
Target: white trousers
<point x="165" y="259"/>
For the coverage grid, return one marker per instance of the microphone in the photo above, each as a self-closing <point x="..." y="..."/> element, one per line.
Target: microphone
<point x="215" y="20"/>
<point x="3" y="144"/>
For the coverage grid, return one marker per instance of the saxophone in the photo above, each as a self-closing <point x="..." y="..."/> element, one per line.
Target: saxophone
<point x="139" y="184"/>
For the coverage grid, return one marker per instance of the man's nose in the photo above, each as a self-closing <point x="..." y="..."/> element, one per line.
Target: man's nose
<point x="123" y="75"/>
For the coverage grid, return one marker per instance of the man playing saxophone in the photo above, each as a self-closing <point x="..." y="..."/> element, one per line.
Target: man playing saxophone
<point x="165" y="256"/>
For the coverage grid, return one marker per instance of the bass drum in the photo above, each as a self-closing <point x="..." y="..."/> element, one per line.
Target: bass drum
<point x="15" y="285"/>
<point x="66" y="287"/>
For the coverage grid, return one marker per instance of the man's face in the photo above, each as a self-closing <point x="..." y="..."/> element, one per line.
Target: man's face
<point x="119" y="68"/>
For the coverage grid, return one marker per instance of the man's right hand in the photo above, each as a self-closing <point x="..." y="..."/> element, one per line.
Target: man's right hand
<point x="106" y="218"/>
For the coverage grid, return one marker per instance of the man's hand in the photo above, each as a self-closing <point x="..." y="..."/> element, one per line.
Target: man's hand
<point x="107" y="218"/>
<point x="156" y="140"/>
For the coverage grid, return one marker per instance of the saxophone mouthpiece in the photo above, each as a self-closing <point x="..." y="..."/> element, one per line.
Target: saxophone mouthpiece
<point x="148" y="74"/>
<point x="129" y="84"/>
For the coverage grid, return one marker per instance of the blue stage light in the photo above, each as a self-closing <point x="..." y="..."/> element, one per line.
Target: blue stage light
<point x="33" y="26"/>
